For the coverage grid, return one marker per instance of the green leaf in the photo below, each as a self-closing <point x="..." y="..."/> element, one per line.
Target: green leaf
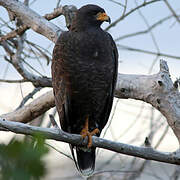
<point x="23" y="160"/>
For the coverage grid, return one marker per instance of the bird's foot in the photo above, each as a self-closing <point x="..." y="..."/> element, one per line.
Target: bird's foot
<point x="85" y="132"/>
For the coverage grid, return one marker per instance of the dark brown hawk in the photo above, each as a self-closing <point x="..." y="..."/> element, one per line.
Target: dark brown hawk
<point x="84" y="73"/>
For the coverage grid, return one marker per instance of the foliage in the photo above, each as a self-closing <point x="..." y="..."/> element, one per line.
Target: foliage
<point x="23" y="160"/>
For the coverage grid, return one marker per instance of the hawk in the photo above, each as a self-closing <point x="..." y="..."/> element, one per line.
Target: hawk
<point x="84" y="73"/>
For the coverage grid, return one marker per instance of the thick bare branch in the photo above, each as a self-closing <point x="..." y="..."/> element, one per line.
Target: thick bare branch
<point x="157" y="89"/>
<point x="32" y="19"/>
<point x="59" y="135"/>
<point x="34" y="109"/>
<point x="38" y="23"/>
<point x="62" y="10"/>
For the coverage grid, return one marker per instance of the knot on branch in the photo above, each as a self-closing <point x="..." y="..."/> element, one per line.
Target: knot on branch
<point x="123" y="89"/>
<point x="177" y="83"/>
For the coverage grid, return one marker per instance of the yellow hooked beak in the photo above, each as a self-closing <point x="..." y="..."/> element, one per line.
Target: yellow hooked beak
<point x="103" y="17"/>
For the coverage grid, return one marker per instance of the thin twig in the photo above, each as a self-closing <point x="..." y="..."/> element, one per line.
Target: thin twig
<point x="29" y="96"/>
<point x="125" y="7"/>
<point x="159" y="22"/>
<point x="130" y="12"/>
<point x="58" y="3"/>
<point x="147" y="52"/>
<point x="59" y="151"/>
<point x="120" y="4"/>
<point x="53" y="122"/>
<point x="162" y="137"/>
<point x="13" y="81"/>
<point x="148" y="26"/>
<point x="172" y="10"/>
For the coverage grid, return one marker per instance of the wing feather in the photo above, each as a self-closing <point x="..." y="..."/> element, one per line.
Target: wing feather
<point x="58" y="81"/>
<point x="108" y="105"/>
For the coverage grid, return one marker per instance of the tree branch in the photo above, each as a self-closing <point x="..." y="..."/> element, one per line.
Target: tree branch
<point x="147" y="52"/>
<point x="38" y="23"/>
<point x="59" y="135"/>
<point x="172" y="11"/>
<point x="29" y="96"/>
<point x="159" y="22"/>
<point x="13" y="81"/>
<point x="157" y="89"/>
<point x="62" y="10"/>
<point x="32" y="19"/>
<point x="16" y="61"/>
<point x="129" y="12"/>
<point x="32" y="110"/>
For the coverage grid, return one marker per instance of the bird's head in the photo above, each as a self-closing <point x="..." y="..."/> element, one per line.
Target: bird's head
<point x="91" y="15"/>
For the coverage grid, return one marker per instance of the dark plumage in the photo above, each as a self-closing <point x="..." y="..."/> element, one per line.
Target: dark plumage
<point x="84" y="73"/>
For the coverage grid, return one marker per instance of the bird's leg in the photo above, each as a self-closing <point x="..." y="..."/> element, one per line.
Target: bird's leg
<point x="85" y="129"/>
<point x="85" y="132"/>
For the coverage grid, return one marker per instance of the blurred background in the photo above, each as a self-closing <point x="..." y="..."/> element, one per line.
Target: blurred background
<point x="145" y="31"/>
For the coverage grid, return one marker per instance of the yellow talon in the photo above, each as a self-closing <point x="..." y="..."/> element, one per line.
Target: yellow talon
<point x="85" y="132"/>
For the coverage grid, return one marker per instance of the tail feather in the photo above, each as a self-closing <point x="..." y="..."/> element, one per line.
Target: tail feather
<point x="85" y="160"/>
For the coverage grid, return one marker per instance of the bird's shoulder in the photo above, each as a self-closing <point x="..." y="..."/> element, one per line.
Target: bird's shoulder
<point x="68" y="40"/>
<point x="91" y="34"/>
<point x="85" y="43"/>
<point x="110" y="38"/>
<point x="113" y="45"/>
<point x="64" y="37"/>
